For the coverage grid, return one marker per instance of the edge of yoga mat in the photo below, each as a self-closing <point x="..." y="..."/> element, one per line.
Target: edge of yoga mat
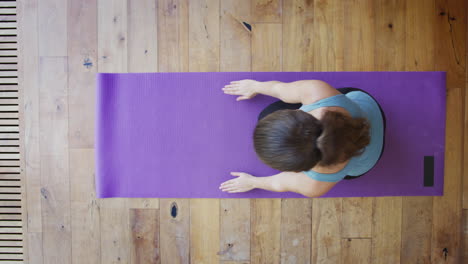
<point x="345" y="188"/>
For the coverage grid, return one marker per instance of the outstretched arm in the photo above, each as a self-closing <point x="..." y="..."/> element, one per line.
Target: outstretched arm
<point x="304" y="91"/>
<point x="283" y="182"/>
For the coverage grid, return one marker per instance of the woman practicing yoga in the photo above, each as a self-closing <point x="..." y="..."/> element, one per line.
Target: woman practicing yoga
<point x="316" y="135"/>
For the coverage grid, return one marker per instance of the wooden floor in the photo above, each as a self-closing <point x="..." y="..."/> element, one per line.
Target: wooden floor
<point x="64" y="43"/>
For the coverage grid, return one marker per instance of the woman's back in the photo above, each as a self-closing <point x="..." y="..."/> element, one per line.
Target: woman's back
<point x="356" y="104"/>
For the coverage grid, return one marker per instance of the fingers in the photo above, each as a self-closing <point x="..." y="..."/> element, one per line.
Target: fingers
<point x="231" y="189"/>
<point x="236" y="173"/>
<point x="227" y="183"/>
<point x="240" y="98"/>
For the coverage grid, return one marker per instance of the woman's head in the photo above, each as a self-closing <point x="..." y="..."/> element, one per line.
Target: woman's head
<point x="293" y="140"/>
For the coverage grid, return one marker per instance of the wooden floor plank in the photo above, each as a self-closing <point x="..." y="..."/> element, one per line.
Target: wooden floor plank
<point x="387" y="211"/>
<point x="297" y="55"/>
<point x="450" y="48"/>
<point x="298" y="32"/>
<point x="386" y="230"/>
<point x="417" y="211"/>
<point x="328" y="38"/>
<point x="112" y="57"/>
<point x="204" y="56"/>
<point x="416" y="230"/>
<point x="235" y="49"/>
<point x="115" y="235"/>
<point x="172" y="52"/>
<point x="360" y="49"/>
<point x="464" y="246"/>
<point x="266" y="11"/>
<point x="465" y="134"/>
<point x="55" y="192"/>
<point x="235" y="55"/>
<point x="234" y="230"/>
<point x="265" y="214"/>
<point x="204" y="35"/>
<point x="326" y="227"/>
<point x="359" y="35"/>
<point x="31" y="219"/>
<point x="175" y="230"/>
<point x="265" y="230"/>
<point x="204" y="230"/>
<point x="296" y="230"/>
<point x="356" y="251"/>
<point x="142" y="36"/>
<point x="82" y="66"/>
<point x="142" y="56"/>
<point x="173" y="35"/>
<point x="112" y="36"/>
<point x="144" y="227"/>
<point x="52" y="27"/>
<point x="266" y="47"/>
<point x="85" y="224"/>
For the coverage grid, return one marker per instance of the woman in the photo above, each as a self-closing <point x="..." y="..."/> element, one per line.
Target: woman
<point x="316" y="134"/>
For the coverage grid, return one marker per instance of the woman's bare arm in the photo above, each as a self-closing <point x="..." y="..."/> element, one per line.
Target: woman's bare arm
<point x="285" y="181"/>
<point x="294" y="182"/>
<point x="304" y="91"/>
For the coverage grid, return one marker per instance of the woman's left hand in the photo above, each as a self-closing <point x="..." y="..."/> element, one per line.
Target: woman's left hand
<point x="243" y="183"/>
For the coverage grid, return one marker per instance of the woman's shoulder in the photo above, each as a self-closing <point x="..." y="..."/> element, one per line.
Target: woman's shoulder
<point x="330" y="169"/>
<point x="321" y="91"/>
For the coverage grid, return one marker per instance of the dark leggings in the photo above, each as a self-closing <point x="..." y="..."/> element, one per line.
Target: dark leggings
<point x="280" y="105"/>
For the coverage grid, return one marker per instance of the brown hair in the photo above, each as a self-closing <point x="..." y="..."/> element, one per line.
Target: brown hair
<point x="293" y="140"/>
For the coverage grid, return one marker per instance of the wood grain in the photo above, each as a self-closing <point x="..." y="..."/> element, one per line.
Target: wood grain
<point x="52" y="27"/>
<point x="82" y="67"/>
<point x="328" y="36"/>
<point x="266" y="11"/>
<point x="386" y="230"/>
<point x="112" y="36"/>
<point x="359" y="21"/>
<point x="234" y="229"/>
<point x="85" y="226"/>
<point x="417" y="211"/>
<point x="144" y="226"/>
<point x="112" y="57"/>
<point x="29" y="76"/>
<point x="35" y="249"/>
<point x="204" y="230"/>
<point x="464" y="246"/>
<point x="265" y="222"/>
<point x="235" y="55"/>
<point x="142" y="36"/>
<point x="175" y="230"/>
<point x="298" y="41"/>
<point x="326" y="230"/>
<point x="235" y="38"/>
<point x="387" y="211"/>
<point x="204" y="35"/>
<point x="115" y="245"/>
<point x="356" y="251"/>
<point x="173" y="56"/>
<point x="266" y="47"/>
<point x="450" y="36"/>
<point x="55" y="183"/>
<point x="73" y="37"/>
<point x="142" y="56"/>
<point x="173" y="35"/>
<point x="296" y="230"/>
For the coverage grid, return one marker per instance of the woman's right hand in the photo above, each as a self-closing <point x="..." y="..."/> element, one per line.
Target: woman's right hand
<point x="245" y="88"/>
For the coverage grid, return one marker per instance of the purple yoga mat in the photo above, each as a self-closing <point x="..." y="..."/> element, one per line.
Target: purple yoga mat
<point x="177" y="135"/>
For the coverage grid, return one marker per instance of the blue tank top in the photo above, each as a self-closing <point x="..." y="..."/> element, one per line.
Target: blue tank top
<point x="358" y="104"/>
